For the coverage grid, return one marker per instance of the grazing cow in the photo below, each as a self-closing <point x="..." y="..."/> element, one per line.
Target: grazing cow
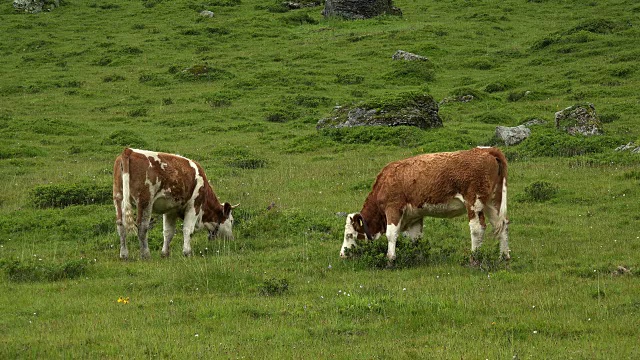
<point x="443" y="185"/>
<point x="170" y="185"/>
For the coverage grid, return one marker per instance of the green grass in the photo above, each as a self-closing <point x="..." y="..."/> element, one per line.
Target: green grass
<point x="241" y="93"/>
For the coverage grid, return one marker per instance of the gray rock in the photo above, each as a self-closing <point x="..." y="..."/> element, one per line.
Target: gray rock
<point x="408" y="110"/>
<point x="580" y="119"/>
<point x="631" y="146"/>
<point x="206" y="13"/>
<point x="512" y="135"/>
<point x="35" y="6"/>
<point x="404" y="55"/>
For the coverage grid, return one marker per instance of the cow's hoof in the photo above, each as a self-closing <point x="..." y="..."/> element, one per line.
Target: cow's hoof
<point x="165" y="254"/>
<point x="124" y="255"/>
<point x="145" y="255"/>
<point x="186" y="253"/>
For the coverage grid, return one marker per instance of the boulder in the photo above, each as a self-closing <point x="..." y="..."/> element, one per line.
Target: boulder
<point x="206" y="13"/>
<point x="512" y="135"/>
<point x="404" y="55"/>
<point x="580" y="119"/>
<point x="359" y="9"/>
<point x="631" y="146"/>
<point x="35" y="6"/>
<point x="408" y="110"/>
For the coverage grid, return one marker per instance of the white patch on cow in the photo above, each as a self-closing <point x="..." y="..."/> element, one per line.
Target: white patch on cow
<point x="477" y="206"/>
<point x="452" y="208"/>
<point x="225" y="228"/>
<point x="483" y="147"/>
<point x="151" y="154"/>
<point x="350" y="235"/>
<point x="169" y="230"/>
<point x="392" y="236"/>
<point x="503" y="204"/>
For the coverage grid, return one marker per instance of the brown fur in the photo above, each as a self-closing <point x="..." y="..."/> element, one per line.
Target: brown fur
<point x="176" y="177"/>
<point x="434" y="179"/>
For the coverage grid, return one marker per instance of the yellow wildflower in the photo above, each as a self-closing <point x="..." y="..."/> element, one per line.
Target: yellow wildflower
<point x="120" y="299"/>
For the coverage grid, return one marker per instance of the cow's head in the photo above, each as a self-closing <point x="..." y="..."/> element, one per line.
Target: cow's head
<point x="354" y="228"/>
<point x="223" y="228"/>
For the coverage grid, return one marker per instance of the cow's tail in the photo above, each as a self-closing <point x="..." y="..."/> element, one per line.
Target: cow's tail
<point x="127" y="209"/>
<point x="500" y="195"/>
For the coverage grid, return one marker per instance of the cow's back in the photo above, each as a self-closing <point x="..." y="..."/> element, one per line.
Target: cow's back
<point x="434" y="178"/>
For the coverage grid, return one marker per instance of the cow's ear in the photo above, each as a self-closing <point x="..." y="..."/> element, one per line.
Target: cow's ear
<point x="227" y="209"/>
<point x="358" y="223"/>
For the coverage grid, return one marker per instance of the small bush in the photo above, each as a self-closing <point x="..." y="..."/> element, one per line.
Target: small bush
<point x="21" y="271"/>
<point x="349" y="79"/>
<point x="411" y="72"/>
<point x="271" y="287"/>
<point x="139" y="112"/>
<point x="63" y="195"/>
<point x="539" y="191"/>
<point x="281" y="115"/>
<point x="20" y="151"/>
<point x="201" y="72"/>
<point x="113" y="78"/>
<point x="497" y="87"/>
<point x="247" y="163"/>
<point x="300" y="18"/>
<point x="124" y="138"/>
<point x="373" y="253"/>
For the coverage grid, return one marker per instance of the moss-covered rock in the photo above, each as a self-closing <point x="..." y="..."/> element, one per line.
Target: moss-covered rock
<point x="579" y="119"/>
<point x="419" y="110"/>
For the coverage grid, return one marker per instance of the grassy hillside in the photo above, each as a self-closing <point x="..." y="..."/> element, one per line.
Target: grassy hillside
<point x="241" y="93"/>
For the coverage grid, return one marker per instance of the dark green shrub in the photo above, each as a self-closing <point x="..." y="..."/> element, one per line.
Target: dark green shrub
<point x="299" y="18"/>
<point x="497" y="86"/>
<point x="103" y="61"/>
<point x="553" y="143"/>
<point x="125" y="138"/>
<point x="410" y="72"/>
<point x="19" y="151"/>
<point x="201" y="72"/>
<point x="247" y="163"/>
<point x="21" y="271"/>
<point x="373" y="253"/>
<point x="480" y="64"/>
<point x="271" y="287"/>
<point x="113" y="78"/>
<point x="349" y="79"/>
<point x="281" y="115"/>
<point x="63" y="195"/>
<point x="607" y="118"/>
<point x="139" y="112"/>
<point x="539" y="191"/>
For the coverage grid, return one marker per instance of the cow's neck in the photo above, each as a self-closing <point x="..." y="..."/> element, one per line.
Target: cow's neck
<point x="374" y="218"/>
<point x="213" y="209"/>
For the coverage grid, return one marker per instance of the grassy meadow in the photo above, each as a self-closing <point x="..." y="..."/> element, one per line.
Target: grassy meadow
<point x="241" y="93"/>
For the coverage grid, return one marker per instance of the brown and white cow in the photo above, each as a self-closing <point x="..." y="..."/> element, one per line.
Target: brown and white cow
<point x="443" y="185"/>
<point x="170" y="185"/>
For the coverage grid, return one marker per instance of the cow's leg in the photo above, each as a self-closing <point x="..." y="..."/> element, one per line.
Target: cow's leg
<point x="188" y="226"/>
<point x="393" y="229"/>
<point x="414" y="231"/>
<point x="168" y="230"/>
<point x="144" y="217"/>
<point x="501" y="229"/>
<point x="122" y="230"/>
<point x="477" y="223"/>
